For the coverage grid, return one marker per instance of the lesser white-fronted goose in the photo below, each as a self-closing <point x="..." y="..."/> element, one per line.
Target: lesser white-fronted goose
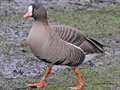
<point x="59" y="44"/>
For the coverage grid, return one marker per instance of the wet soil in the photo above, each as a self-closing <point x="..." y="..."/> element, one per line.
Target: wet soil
<point x="16" y="60"/>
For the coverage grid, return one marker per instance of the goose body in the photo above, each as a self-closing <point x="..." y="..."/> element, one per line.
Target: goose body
<point x="91" y="47"/>
<point x="47" y="46"/>
<point x="77" y="38"/>
<point x="59" y="44"/>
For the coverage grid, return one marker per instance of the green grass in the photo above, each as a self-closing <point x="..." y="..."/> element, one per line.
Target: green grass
<point x="104" y="77"/>
<point x="89" y="22"/>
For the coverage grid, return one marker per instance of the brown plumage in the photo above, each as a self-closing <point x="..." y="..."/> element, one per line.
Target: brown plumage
<point x="59" y="44"/>
<point x="77" y="38"/>
<point x="47" y="46"/>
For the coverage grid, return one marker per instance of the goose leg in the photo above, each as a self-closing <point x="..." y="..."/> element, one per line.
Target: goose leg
<point x="42" y="81"/>
<point x="80" y="82"/>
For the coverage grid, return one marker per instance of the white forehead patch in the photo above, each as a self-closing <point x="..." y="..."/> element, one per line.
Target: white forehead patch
<point x="30" y="9"/>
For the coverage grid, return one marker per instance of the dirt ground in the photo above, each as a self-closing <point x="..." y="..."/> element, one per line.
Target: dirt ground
<point x="16" y="60"/>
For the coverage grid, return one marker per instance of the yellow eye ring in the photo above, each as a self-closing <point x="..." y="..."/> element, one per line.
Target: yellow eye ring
<point x="35" y="9"/>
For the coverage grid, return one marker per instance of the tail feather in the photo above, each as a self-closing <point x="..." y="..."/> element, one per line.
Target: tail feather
<point x="92" y="46"/>
<point x="100" y="43"/>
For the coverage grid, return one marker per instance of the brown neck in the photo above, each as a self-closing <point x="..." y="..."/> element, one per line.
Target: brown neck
<point x="41" y="23"/>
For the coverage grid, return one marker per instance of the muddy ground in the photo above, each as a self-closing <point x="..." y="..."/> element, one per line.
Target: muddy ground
<point x="16" y="60"/>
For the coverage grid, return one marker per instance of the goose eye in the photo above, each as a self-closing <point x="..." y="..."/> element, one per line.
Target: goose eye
<point x="35" y="9"/>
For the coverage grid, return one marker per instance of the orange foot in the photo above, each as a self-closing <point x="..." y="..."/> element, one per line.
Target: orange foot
<point x="78" y="87"/>
<point x="41" y="83"/>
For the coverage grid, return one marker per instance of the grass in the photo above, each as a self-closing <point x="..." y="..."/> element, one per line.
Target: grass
<point x="105" y="77"/>
<point x="90" y="22"/>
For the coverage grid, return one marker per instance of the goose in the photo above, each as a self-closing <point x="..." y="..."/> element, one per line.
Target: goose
<point x="59" y="44"/>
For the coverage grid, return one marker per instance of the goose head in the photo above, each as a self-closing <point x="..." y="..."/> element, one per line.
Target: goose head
<point x="37" y="11"/>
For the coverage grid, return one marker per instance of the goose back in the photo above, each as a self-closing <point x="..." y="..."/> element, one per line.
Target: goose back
<point x="77" y="38"/>
<point x="69" y="34"/>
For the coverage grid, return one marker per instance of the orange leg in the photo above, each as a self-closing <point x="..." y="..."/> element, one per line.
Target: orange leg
<point x="80" y="82"/>
<point x="42" y="81"/>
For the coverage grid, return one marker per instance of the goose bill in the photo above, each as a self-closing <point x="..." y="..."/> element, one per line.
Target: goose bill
<point x="27" y="15"/>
